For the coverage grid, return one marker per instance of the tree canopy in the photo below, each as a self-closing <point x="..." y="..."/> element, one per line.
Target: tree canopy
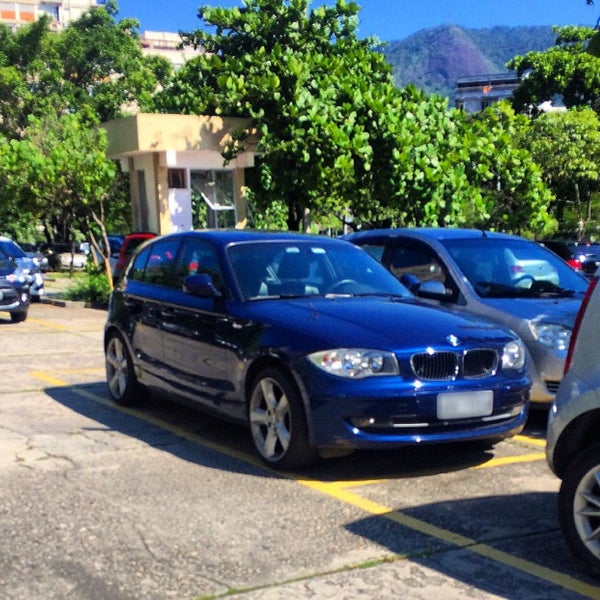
<point x="565" y="71"/>
<point x="336" y="136"/>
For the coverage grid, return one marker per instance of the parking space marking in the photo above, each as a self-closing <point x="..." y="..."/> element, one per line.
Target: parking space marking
<point x="48" y="324"/>
<point x="511" y="460"/>
<point x="530" y="440"/>
<point x="341" y="492"/>
<point x="344" y="495"/>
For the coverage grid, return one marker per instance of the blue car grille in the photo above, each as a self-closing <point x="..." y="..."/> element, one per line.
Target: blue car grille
<point x="447" y="366"/>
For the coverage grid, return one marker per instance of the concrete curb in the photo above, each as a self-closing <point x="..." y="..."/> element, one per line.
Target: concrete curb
<point x="64" y="303"/>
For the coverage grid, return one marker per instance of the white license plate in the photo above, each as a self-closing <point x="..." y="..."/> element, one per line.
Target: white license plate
<point x="463" y="405"/>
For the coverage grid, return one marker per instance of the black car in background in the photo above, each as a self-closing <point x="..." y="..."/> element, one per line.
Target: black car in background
<point x="22" y="269"/>
<point x="582" y="256"/>
<point x="14" y="289"/>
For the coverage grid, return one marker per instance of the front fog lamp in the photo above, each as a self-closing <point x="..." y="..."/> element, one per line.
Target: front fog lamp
<point x="513" y="356"/>
<point x="355" y="363"/>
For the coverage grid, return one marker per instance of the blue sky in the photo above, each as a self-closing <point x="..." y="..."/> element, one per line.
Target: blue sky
<point x="388" y="19"/>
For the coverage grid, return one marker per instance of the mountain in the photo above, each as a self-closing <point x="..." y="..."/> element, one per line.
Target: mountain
<point x="433" y="59"/>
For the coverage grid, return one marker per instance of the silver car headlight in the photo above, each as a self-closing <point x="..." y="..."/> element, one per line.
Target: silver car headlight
<point x="513" y="355"/>
<point x="552" y="335"/>
<point x="355" y="363"/>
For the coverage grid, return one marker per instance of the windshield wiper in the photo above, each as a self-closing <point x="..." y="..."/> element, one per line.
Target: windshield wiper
<point x="490" y="289"/>
<point x="538" y="289"/>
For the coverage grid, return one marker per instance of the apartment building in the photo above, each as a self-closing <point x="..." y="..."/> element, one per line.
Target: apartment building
<point x="23" y="12"/>
<point x="473" y="94"/>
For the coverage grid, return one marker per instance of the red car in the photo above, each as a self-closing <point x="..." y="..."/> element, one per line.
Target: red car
<point x="130" y="242"/>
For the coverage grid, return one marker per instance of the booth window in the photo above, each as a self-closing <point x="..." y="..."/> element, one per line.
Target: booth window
<point x="176" y="178"/>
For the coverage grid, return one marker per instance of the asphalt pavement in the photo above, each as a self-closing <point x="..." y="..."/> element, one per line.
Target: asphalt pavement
<point x="104" y="503"/>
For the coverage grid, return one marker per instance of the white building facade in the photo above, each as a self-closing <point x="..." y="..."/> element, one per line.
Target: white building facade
<point x="61" y="12"/>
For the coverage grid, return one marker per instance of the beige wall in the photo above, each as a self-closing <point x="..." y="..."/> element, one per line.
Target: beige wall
<point x="152" y="144"/>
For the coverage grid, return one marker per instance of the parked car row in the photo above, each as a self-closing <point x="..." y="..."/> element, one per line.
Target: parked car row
<point x="20" y="280"/>
<point x="582" y="256"/>
<point x="73" y="255"/>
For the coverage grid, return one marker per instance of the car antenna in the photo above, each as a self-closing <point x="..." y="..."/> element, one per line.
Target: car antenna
<point x="483" y="233"/>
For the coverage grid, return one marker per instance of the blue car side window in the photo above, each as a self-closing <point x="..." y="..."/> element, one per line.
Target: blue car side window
<point x="155" y="263"/>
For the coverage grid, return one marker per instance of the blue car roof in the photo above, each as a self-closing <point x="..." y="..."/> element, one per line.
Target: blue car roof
<point x="230" y="236"/>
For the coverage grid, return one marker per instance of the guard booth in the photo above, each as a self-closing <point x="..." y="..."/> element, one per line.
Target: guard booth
<point x="177" y="173"/>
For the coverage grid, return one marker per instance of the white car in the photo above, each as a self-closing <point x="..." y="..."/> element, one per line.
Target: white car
<point x="25" y="268"/>
<point x="60" y="257"/>
<point x="573" y="439"/>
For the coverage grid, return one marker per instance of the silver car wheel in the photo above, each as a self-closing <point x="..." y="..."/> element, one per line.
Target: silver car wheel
<point x="117" y="368"/>
<point x="586" y="510"/>
<point x="579" y="508"/>
<point x="270" y="419"/>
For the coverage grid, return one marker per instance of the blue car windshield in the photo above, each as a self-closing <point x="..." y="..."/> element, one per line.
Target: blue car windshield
<point x="292" y="268"/>
<point x="501" y="268"/>
<point x="11" y="250"/>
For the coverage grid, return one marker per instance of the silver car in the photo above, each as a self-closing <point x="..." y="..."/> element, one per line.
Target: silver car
<point x="505" y="278"/>
<point x="573" y="440"/>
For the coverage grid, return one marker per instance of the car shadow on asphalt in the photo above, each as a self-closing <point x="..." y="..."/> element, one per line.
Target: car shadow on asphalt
<point x="199" y="437"/>
<point x="507" y="545"/>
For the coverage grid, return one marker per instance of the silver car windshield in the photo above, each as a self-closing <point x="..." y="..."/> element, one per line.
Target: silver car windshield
<point x="500" y="268"/>
<point x="284" y="269"/>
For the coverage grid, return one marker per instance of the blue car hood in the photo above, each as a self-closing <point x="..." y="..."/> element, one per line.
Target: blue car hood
<point x="374" y="322"/>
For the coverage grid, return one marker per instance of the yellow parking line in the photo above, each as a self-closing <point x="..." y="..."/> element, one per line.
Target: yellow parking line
<point x="48" y="324"/>
<point x="525" y="566"/>
<point x="530" y="440"/>
<point x="340" y="491"/>
<point x="510" y="460"/>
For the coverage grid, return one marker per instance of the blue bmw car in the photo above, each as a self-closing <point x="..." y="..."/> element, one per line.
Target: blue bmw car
<point x="311" y="343"/>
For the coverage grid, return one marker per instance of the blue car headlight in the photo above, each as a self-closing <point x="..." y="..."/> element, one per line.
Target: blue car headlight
<point x="355" y="363"/>
<point x="551" y="335"/>
<point x="513" y="355"/>
<point x="16" y="278"/>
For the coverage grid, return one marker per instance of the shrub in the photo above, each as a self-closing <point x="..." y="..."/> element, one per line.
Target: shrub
<point x="94" y="289"/>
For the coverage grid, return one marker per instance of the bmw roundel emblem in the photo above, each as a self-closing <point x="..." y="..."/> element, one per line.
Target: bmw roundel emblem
<point x="453" y="340"/>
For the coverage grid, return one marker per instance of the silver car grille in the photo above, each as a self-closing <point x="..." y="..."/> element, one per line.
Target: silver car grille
<point x="447" y="366"/>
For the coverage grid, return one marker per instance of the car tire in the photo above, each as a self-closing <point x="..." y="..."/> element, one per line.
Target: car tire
<point x="579" y="509"/>
<point x="122" y="383"/>
<point x="18" y="316"/>
<point x="278" y="422"/>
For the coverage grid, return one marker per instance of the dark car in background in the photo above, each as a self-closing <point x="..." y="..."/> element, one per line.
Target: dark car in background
<point x="37" y="256"/>
<point x="513" y="281"/>
<point x="573" y="441"/>
<point x="24" y="269"/>
<point x="128" y="245"/>
<point x="582" y="256"/>
<point x="14" y="284"/>
<point x="311" y="343"/>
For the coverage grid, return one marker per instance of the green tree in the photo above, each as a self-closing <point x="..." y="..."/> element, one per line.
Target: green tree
<point x="566" y="145"/>
<point x="337" y="137"/>
<point x="93" y="69"/>
<point x="60" y="174"/>
<point x="565" y="71"/>
<point x="311" y="87"/>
